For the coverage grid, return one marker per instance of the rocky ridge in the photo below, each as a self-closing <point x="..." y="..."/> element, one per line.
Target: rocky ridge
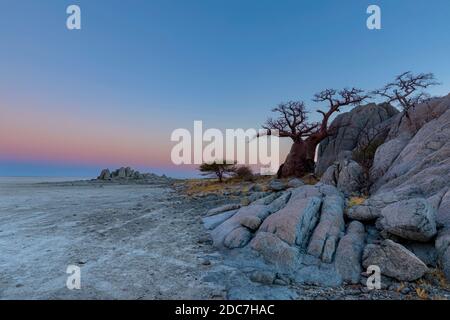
<point x="315" y="235"/>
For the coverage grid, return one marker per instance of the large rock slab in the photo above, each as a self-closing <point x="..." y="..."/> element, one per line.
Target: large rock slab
<point x="274" y="250"/>
<point x="231" y="233"/>
<point x="295" y="222"/>
<point x="349" y="253"/>
<point x="326" y="235"/>
<point x="347" y="131"/>
<point x="371" y="208"/>
<point x="346" y="175"/>
<point x="211" y="222"/>
<point x="394" y="260"/>
<point x="223" y="208"/>
<point x="425" y="159"/>
<point x="237" y="230"/>
<point x="412" y="219"/>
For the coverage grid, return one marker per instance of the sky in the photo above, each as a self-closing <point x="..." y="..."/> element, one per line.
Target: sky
<point x="75" y="101"/>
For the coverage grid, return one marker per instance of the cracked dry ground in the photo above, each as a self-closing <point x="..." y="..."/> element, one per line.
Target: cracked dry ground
<point x="131" y="242"/>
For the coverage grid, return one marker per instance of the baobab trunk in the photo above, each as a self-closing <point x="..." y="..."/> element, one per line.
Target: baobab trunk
<point x="300" y="160"/>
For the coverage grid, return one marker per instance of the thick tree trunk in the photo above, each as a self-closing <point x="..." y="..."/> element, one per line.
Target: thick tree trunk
<point x="300" y="160"/>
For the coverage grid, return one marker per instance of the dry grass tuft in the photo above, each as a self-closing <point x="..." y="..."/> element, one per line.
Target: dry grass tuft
<point x="421" y="293"/>
<point x="356" y="201"/>
<point x="440" y="276"/>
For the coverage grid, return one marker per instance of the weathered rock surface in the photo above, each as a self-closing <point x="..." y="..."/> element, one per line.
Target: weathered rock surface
<point x="348" y="128"/>
<point x="296" y="221"/>
<point x="346" y="175"/>
<point x="213" y="221"/>
<point x="128" y="174"/>
<point x="443" y="238"/>
<point x="329" y="230"/>
<point x="424" y="251"/>
<point x="295" y="183"/>
<point x="371" y="208"/>
<point x="104" y="175"/>
<point x="275" y="250"/>
<point x="349" y="253"/>
<point x="225" y="207"/>
<point x="394" y="260"/>
<point x="277" y="185"/>
<point x="425" y="159"/>
<point x="412" y="219"/>
<point x="231" y="233"/>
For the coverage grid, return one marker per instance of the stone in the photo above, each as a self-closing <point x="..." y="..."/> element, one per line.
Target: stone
<point x="424" y="160"/>
<point x="425" y="252"/>
<point x="255" y="188"/>
<point x="394" y="260"/>
<point x="122" y="173"/>
<point x="295" y="183"/>
<point x="225" y="207"/>
<point x="237" y="238"/>
<point x="346" y="175"/>
<point x="371" y="208"/>
<point x="274" y="250"/>
<point x="412" y="219"/>
<point x="104" y="175"/>
<point x="226" y="231"/>
<point x="277" y="185"/>
<point x="349" y="253"/>
<point x="326" y="235"/>
<point x="251" y="222"/>
<point x="350" y="177"/>
<point x="443" y="251"/>
<point x="211" y="222"/>
<point x="257" y="195"/>
<point x="263" y="277"/>
<point x="295" y="222"/>
<point x="347" y="131"/>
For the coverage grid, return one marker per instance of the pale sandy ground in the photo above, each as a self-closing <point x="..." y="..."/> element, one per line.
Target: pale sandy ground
<point x="131" y="242"/>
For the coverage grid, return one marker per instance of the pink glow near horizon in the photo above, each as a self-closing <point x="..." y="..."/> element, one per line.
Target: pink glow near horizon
<point x="62" y="138"/>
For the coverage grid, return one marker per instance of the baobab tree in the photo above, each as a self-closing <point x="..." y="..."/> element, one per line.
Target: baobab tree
<point x="292" y="122"/>
<point x="407" y="90"/>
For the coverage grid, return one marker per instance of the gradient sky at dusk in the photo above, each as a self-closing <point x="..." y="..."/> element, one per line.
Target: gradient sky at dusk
<point x="73" y="102"/>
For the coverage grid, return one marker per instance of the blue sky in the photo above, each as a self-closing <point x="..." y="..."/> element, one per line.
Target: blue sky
<point x="145" y="68"/>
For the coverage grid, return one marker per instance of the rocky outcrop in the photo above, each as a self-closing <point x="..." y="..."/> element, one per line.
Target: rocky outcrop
<point x="295" y="222"/>
<point x="295" y="183"/>
<point x="348" y="131"/>
<point x="292" y="230"/>
<point x="128" y="174"/>
<point x="349" y="253"/>
<point x="412" y="219"/>
<point x="104" y="175"/>
<point x="414" y="162"/>
<point x="277" y="185"/>
<point x="274" y="250"/>
<point x="394" y="260"/>
<point x="326" y="235"/>
<point x="307" y="233"/>
<point x="346" y="175"/>
<point x="422" y="150"/>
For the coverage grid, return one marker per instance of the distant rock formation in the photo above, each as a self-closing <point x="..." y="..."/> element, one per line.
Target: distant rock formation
<point x="128" y="174"/>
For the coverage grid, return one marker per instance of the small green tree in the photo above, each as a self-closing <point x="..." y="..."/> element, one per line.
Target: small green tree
<point x="217" y="169"/>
